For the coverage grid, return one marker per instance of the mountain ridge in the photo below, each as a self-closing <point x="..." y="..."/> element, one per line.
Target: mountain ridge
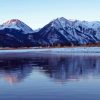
<point x="18" y="25"/>
<point x="60" y="31"/>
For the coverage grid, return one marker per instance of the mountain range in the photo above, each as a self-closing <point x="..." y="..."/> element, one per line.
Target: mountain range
<point x="59" y="32"/>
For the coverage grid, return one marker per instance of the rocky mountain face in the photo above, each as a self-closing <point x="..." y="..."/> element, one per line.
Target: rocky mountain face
<point x="66" y="32"/>
<point x="60" y="31"/>
<point x="15" y="33"/>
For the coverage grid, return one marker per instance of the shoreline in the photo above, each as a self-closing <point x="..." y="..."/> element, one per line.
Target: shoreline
<point x="50" y="52"/>
<point x="55" y="50"/>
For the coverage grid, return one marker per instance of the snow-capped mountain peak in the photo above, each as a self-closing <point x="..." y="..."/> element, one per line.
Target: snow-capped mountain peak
<point x="15" y="21"/>
<point x="61" y="22"/>
<point x="18" y="25"/>
<point x="70" y="32"/>
<point x="60" y="31"/>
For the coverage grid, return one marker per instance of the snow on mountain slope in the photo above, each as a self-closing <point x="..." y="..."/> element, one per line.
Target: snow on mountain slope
<point x="60" y="31"/>
<point x="70" y="32"/>
<point x="61" y="23"/>
<point x="18" y="25"/>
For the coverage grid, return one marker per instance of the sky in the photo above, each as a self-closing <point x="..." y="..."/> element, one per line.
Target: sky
<point x="37" y="13"/>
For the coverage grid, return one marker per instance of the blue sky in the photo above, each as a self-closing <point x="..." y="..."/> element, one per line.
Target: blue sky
<point x="37" y="13"/>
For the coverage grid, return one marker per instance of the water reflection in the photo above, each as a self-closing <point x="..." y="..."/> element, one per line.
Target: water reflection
<point x="15" y="70"/>
<point x="58" y="68"/>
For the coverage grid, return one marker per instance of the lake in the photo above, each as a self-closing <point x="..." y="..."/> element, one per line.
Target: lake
<point x="28" y="76"/>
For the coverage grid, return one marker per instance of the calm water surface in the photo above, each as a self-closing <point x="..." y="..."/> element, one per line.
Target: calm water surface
<point x="49" y="77"/>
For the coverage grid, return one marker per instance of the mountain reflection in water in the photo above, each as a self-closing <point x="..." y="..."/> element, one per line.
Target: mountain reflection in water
<point x="58" y="68"/>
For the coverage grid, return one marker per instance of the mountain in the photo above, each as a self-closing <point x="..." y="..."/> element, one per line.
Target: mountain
<point x="59" y="32"/>
<point x="16" y="25"/>
<point x="67" y="32"/>
<point x="15" y="33"/>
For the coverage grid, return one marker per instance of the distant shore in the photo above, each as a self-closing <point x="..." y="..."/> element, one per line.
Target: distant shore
<point x="50" y="47"/>
<point x="53" y="50"/>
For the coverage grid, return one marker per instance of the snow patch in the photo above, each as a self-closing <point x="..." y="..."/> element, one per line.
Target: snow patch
<point x="18" y="25"/>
